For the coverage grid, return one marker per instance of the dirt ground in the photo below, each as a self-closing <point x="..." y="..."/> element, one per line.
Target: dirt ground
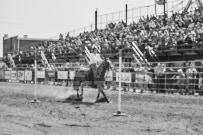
<point x="147" y="114"/>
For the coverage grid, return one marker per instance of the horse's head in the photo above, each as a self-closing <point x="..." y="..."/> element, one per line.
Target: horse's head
<point x="105" y="66"/>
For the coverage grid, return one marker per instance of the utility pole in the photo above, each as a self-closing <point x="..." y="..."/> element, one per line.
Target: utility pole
<point x="164" y="12"/>
<point x="96" y="19"/>
<point x="126" y="14"/>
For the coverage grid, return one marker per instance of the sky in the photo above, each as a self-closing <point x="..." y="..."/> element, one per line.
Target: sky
<point x="49" y="18"/>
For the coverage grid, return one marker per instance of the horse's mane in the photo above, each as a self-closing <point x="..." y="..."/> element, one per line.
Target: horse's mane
<point x="99" y="69"/>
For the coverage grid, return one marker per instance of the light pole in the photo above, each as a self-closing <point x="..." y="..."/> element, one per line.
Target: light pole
<point x="35" y="77"/>
<point x="164" y="12"/>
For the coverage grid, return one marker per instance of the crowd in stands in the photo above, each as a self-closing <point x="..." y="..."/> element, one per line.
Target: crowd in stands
<point x="170" y="33"/>
<point x="181" y="30"/>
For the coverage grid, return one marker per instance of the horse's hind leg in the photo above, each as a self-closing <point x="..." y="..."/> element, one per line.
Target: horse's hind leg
<point x="79" y="97"/>
<point x="98" y="95"/>
<point x="82" y="86"/>
<point x="105" y="96"/>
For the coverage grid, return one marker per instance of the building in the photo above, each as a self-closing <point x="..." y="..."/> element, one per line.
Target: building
<point x="15" y="44"/>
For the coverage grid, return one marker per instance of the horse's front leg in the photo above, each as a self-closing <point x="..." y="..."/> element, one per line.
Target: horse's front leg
<point x="82" y="90"/>
<point x="98" y="95"/>
<point x="100" y="89"/>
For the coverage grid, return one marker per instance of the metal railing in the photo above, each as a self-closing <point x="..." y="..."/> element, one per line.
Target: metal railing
<point x="175" y="78"/>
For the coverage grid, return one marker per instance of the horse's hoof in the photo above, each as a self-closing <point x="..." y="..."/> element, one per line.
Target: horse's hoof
<point x="79" y="99"/>
<point x="109" y="102"/>
<point x="101" y="100"/>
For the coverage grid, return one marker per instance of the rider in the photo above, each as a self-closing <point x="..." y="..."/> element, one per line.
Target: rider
<point x="95" y="61"/>
<point x="191" y="73"/>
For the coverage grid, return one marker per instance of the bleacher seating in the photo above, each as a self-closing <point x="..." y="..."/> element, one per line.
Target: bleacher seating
<point x="182" y="31"/>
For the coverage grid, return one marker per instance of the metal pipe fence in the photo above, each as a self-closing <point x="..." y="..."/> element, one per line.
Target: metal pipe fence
<point x="173" y="79"/>
<point x="134" y="14"/>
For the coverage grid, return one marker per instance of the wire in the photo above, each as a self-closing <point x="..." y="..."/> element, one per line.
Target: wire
<point x="34" y="24"/>
<point x="174" y="7"/>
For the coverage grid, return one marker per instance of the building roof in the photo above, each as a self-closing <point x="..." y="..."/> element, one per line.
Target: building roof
<point x="26" y="38"/>
<point x="41" y="39"/>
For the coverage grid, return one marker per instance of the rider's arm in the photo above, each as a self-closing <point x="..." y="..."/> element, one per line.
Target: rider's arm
<point x="92" y="58"/>
<point x="100" y="57"/>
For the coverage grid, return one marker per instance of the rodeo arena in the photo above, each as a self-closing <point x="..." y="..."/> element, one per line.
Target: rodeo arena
<point x="128" y="74"/>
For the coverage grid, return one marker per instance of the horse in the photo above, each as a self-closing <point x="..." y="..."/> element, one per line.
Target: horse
<point x="88" y="77"/>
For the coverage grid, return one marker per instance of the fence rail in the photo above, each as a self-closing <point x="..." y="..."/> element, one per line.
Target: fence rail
<point x="140" y="80"/>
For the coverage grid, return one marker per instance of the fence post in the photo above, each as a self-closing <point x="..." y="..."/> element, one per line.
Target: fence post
<point x="126" y="14"/>
<point x="96" y="19"/>
<point x="165" y="81"/>
<point x="119" y="113"/>
<point x="35" y="85"/>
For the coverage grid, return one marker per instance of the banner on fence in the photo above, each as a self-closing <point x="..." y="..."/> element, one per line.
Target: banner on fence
<point x="40" y="74"/>
<point x="21" y="75"/>
<point x="125" y="77"/>
<point x="63" y="75"/>
<point x="109" y="76"/>
<point x="7" y="75"/>
<point x="2" y="75"/>
<point x="28" y="75"/>
<point x="51" y="74"/>
<point x="71" y="75"/>
<point x="13" y="75"/>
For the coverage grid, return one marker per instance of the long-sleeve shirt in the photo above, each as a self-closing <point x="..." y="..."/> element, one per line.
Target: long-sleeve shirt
<point x="95" y="58"/>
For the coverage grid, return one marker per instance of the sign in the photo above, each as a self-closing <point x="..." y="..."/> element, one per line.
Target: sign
<point x="7" y="75"/>
<point x="51" y="74"/>
<point x="40" y="74"/>
<point x="28" y="75"/>
<point x="21" y="75"/>
<point x="109" y="76"/>
<point x="63" y="75"/>
<point x="125" y="77"/>
<point x="2" y="74"/>
<point x="71" y="75"/>
<point x="13" y="75"/>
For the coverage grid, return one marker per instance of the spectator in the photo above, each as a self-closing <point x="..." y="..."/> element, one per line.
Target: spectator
<point x="191" y="74"/>
<point x="181" y="81"/>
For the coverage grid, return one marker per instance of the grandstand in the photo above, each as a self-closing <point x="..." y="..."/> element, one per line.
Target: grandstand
<point x="177" y="39"/>
<point x="158" y="45"/>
